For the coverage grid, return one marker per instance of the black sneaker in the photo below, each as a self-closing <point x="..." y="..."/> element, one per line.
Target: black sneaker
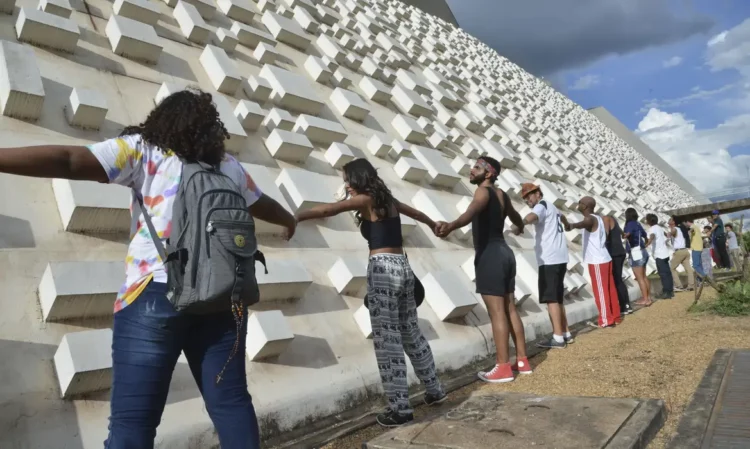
<point x="551" y="344"/>
<point x="393" y="419"/>
<point x="434" y="400"/>
<point x="569" y="340"/>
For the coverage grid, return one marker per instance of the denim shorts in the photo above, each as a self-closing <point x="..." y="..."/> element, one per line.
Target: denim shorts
<point x="638" y="263"/>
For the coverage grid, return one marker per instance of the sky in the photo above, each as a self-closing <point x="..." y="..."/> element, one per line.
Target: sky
<point x="677" y="72"/>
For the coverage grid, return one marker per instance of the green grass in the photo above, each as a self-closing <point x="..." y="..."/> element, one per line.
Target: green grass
<point x="734" y="300"/>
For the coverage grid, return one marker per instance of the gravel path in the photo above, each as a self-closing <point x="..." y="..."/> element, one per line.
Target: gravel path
<point x="659" y="352"/>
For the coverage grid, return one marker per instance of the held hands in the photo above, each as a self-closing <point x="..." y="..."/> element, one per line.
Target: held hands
<point x="442" y="229"/>
<point x="565" y="223"/>
<point x="516" y="230"/>
<point x="290" y="230"/>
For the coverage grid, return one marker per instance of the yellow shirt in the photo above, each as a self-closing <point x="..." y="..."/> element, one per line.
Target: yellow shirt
<point x="696" y="240"/>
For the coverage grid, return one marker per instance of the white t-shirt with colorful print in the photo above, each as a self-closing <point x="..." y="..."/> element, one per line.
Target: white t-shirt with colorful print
<point x="131" y="162"/>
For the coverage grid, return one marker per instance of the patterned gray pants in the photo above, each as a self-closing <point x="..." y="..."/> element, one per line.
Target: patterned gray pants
<point x="393" y="314"/>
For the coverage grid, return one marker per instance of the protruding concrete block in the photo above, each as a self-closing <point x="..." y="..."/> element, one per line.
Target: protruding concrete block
<point x="342" y="78"/>
<point x="60" y="8"/>
<point x="527" y="270"/>
<point x="266" y="182"/>
<point x="83" y="208"/>
<point x="447" y="295"/>
<point x="408" y="129"/>
<point x="339" y="154"/>
<point x="132" y="39"/>
<point x="348" y="275"/>
<point x="79" y="290"/>
<point x="399" y="149"/>
<point x="286" y="280"/>
<point x="191" y="23"/>
<point x="362" y="318"/>
<point x="240" y="10"/>
<point x="141" y="10"/>
<point x="317" y="69"/>
<point x="438" y="168"/>
<point x="442" y="207"/>
<point x="461" y="165"/>
<point x="206" y="8"/>
<point x="288" y="146"/>
<point x="349" y="104"/>
<point x="86" y="109"/>
<point x="265" y="54"/>
<point x="499" y="152"/>
<point x="327" y="15"/>
<point x="305" y="20"/>
<point x="412" y="82"/>
<point x="250" y="36"/>
<point x="320" y="130"/>
<point x="83" y="362"/>
<point x="221" y="70"/>
<point x="226" y="39"/>
<point x="47" y="30"/>
<point x="286" y="30"/>
<point x="292" y="91"/>
<point x="411" y="170"/>
<point x="249" y="114"/>
<point x="237" y="134"/>
<point x="21" y="88"/>
<point x="305" y="189"/>
<point x="379" y="145"/>
<point x="258" y="89"/>
<point x="409" y="102"/>
<point x="268" y="335"/>
<point x="279" y="118"/>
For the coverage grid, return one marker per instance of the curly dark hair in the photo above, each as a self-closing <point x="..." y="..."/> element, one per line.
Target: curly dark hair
<point x="363" y="179"/>
<point x="188" y="124"/>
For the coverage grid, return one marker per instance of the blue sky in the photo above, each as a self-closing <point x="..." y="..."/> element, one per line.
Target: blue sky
<point x="675" y="71"/>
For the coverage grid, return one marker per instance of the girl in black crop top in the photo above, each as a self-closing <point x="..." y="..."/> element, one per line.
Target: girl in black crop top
<point x="390" y="286"/>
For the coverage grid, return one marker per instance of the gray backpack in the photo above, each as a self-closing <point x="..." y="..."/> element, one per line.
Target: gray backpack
<point x="211" y="253"/>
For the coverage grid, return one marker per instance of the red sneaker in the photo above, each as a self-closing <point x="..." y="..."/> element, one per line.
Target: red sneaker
<point x="498" y="374"/>
<point x="522" y="366"/>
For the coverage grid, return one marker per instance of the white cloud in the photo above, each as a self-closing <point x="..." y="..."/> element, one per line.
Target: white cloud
<point x="586" y="82"/>
<point x="731" y="50"/>
<point x="674" y="61"/>
<point x="700" y="155"/>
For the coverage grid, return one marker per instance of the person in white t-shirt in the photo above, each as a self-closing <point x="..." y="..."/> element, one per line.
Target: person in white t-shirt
<point x="657" y="240"/>
<point x="734" y="247"/>
<point x="552" y="257"/>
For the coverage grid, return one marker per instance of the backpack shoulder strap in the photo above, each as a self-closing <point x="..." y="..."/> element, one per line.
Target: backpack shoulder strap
<point x="141" y="209"/>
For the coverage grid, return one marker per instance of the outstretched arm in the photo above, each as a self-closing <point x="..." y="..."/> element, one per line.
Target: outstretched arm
<point x="357" y="202"/>
<point x="53" y="161"/>
<point x="414" y="214"/>
<point x="269" y="210"/>
<point x="481" y="197"/>
<point x="587" y="223"/>
<point x="514" y="216"/>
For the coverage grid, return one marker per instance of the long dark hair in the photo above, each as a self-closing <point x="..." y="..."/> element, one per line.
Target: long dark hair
<point x="188" y="124"/>
<point x="363" y="179"/>
<point x="631" y="215"/>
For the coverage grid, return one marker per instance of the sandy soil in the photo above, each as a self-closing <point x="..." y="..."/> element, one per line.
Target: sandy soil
<point x="659" y="352"/>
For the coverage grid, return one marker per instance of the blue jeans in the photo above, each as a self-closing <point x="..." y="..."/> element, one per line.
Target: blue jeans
<point x="148" y="338"/>
<point x="697" y="262"/>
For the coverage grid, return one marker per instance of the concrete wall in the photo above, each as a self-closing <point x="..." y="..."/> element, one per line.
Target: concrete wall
<point x="308" y="358"/>
<point x="437" y="8"/>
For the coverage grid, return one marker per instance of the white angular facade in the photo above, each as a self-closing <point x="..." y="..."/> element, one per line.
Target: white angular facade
<point x="424" y="99"/>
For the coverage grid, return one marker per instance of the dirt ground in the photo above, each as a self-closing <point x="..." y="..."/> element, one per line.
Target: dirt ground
<point x="658" y="352"/>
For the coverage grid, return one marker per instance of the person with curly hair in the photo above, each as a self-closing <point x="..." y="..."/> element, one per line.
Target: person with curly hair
<point x="148" y="334"/>
<point x="390" y="288"/>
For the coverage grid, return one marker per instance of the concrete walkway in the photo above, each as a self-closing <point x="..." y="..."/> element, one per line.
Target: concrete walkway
<point x="719" y="415"/>
<point x="513" y="420"/>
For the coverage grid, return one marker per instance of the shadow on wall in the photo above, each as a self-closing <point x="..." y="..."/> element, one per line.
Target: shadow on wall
<point x="31" y="413"/>
<point x="307" y="352"/>
<point x="16" y="233"/>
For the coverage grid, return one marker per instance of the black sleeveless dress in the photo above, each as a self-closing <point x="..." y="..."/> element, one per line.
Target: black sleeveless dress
<point x="494" y="261"/>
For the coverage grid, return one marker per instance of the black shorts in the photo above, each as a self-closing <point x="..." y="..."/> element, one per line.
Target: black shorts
<point x="552" y="283"/>
<point x="495" y="268"/>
